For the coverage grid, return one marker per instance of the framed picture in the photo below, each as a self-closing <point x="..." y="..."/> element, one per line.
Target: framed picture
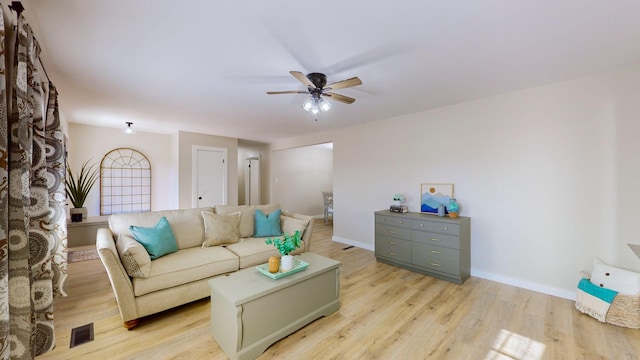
<point x="432" y="195"/>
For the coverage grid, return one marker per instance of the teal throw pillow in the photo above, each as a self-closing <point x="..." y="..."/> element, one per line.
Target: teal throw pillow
<point x="267" y="225"/>
<point x="158" y="240"/>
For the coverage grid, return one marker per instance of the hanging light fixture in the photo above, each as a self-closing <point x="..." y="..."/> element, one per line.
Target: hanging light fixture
<point x="128" y="130"/>
<point x="315" y="104"/>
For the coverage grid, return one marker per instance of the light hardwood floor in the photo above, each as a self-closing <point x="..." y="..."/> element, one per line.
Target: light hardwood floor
<point x="386" y="313"/>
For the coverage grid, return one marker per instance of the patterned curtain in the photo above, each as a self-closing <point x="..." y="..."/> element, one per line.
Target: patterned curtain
<point x="32" y="232"/>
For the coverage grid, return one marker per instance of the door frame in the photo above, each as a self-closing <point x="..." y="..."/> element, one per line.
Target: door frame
<point x="194" y="172"/>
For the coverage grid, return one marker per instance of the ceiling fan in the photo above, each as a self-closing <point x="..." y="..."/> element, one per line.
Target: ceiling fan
<point x="318" y="89"/>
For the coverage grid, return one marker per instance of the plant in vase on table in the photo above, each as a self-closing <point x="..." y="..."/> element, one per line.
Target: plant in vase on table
<point x="77" y="188"/>
<point x="286" y="244"/>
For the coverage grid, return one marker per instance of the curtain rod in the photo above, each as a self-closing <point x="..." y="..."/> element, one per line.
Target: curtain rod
<point x="18" y="8"/>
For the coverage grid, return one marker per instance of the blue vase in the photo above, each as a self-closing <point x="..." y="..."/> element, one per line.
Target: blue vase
<point x="453" y="208"/>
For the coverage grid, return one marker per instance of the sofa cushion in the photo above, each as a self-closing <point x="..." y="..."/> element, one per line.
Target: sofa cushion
<point x="290" y="225"/>
<point x="253" y="251"/>
<point x="220" y="229"/>
<point x="158" y="240"/>
<point x="134" y="256"/>
<point x="247" y="217"/>
<point x="187" y="225"/>
<point x="185" y="266"/>
<point x="267" y="225"/>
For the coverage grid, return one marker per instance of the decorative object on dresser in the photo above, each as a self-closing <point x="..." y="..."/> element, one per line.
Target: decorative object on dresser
<point x="399" y="208"/>
<point x="453" y="208"/>
<point x="436" y="246"/>
<point x="433" y="195"/>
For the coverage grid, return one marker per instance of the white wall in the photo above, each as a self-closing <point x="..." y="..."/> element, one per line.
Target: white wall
<point x="93" y="142"/>
<point x="548" y="175"/>
<point x="299" y="175"/>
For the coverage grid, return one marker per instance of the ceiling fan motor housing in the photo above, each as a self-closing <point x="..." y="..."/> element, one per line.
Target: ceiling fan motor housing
<point x="318" y="79"/>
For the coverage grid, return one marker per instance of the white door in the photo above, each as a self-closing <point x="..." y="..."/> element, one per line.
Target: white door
<point x="209" y="186"/>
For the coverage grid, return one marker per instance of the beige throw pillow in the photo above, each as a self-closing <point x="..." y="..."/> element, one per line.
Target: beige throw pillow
<point x="220" y="229"/>
<point x="134" y="256"/>
<point x="289" y="225"/>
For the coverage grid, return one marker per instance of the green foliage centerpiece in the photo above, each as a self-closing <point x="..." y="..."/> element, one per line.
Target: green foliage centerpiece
<point x="285" y="246"/>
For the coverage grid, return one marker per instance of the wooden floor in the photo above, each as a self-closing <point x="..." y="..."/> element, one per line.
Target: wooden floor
<point x="386" y="313"/>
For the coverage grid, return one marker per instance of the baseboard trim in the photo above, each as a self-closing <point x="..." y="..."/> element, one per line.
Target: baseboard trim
<point x="529" y="285"/>
<point x="353" y="243"/>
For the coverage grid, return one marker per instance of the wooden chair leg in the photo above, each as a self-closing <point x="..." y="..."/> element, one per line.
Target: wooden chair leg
<point x="129" y="325"/>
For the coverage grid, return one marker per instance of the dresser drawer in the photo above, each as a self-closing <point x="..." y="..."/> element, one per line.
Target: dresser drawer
<point x="422" y="225"/>
<point x="392" y="248"/>
<point x="394" y="221"/>
<point x="436" y="239"/>
<point x="446" y="228"/>
<point x="393" y="231"/>
<point x="436" y="258"/>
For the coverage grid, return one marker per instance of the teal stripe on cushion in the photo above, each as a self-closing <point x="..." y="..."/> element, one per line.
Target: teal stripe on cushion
<point x="267" y="225"/>
<point x="601" y="293"/>
<point x="158" y="240"/>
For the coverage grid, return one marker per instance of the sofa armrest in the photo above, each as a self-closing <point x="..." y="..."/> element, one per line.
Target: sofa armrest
<point x="120" y="280"/>
<point x="309" y="230"/>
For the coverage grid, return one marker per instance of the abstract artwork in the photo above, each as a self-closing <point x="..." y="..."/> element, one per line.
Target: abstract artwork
<point x="432" y="195"/>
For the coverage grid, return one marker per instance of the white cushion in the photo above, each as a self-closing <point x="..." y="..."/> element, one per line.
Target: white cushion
<point x="623" y="281"/>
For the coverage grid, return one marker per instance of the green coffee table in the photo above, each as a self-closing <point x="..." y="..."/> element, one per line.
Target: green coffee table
<point x="250" y="311"/>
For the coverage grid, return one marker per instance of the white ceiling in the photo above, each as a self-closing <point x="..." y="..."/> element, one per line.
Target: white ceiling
<point x="205" y="66"/>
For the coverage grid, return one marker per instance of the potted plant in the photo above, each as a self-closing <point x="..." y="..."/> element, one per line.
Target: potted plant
<point x="77" y="188"/>
<point x="286" y="245"/>
<point x="398" y="199"/>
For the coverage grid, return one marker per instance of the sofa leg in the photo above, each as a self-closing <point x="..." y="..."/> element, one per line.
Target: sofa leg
<point x="131" y="324"/>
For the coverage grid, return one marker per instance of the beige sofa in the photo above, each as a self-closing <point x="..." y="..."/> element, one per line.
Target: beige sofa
<point x="143" y="286"/>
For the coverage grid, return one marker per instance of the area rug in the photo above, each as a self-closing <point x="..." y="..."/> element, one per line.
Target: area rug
<point x="82" y="255"/>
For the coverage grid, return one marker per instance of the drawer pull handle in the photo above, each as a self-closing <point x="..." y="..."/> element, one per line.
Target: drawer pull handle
<point x="391" y="232"/>
<point x="381" y="219"/>
<point x="421" y="225"/>
<point x="400" y="222"/>
<point x="434" y="264"/>
<point x="434" y="239"/>
<point x="392" y="254"/>
<point x="435" y="252"/>
<point x="446" y="228"/>
<point x="392" y="243"/>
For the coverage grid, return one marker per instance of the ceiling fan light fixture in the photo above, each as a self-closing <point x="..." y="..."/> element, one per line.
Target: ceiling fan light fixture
<point x="315" y="109"/>
<point x="324" y="105"/>
<point x="308" y="104"/>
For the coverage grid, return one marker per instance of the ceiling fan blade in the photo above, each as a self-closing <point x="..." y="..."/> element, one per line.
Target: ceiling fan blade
<point x="287" y="92"/>
<point x="354" y="81"/>
<point x="338" y="97"/>
<point x="302" y="78"/>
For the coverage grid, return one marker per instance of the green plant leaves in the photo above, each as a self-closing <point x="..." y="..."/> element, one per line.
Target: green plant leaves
<point x="77" y="189"/>
<point x="287" y="243"/>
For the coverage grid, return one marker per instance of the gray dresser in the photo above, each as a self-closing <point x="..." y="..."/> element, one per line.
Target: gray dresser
<point x="433" y="245"/>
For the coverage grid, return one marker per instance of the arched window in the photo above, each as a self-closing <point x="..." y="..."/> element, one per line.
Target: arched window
<point x="125" y="182"/>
